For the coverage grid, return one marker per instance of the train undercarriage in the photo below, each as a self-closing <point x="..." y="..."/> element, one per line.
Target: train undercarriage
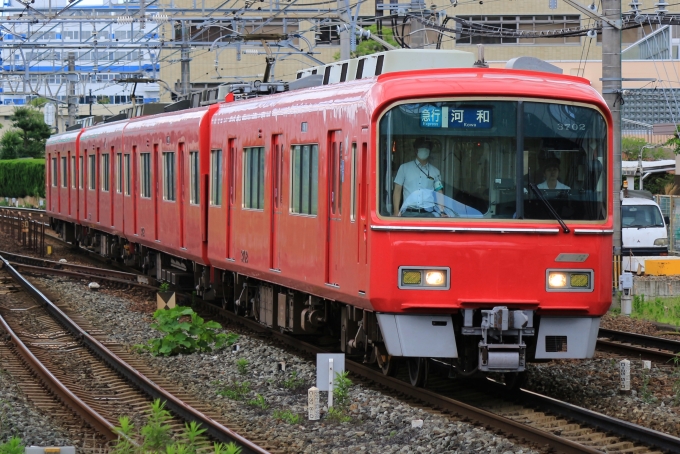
<point x="488" y="339"/>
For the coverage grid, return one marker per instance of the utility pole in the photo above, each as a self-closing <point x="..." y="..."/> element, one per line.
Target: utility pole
<point x="71" y="98"/>
<point x="186" y="72"/>
<point x="611" y="90"/>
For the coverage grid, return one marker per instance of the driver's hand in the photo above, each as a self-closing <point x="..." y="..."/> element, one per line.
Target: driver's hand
<point x="398" y="213"/>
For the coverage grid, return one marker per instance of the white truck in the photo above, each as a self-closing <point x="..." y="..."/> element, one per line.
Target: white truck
<point x="643" y="227"/>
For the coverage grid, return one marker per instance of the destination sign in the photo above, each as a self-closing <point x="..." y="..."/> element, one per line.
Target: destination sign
<point x="458" y="118"/>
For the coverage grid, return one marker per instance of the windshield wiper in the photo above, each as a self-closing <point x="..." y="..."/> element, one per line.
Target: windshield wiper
<point x="550" y="207"/>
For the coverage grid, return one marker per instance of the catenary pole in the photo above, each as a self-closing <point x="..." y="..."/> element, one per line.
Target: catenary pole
<point x="611" y="90"/>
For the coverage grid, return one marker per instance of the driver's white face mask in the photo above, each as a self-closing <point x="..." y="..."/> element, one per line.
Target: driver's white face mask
<point x="423" y="153"/>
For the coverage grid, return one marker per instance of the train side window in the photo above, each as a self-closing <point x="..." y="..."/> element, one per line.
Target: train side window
<point x="54" y="172"/>
<point x="64" y="172"/>
<point x="169" y="175"/>
<point x="305" y="171"/>
<point x="92" y="171"/>
<point x="119" y="170"/>
<point x="145" y="174"/>
<point x="253" y="193"/>
<point x="81" y="180"/>
<point x="194" y="188"/>
<point x="73" y="172"/>
<point x="127" y="174"/>
<point x="216" y="177"/>
<point x="105" y="171"/>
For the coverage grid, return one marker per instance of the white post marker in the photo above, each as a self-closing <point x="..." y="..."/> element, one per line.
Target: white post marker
<point x="624" y="371"/>
<point x="647" y="365"/>
<point x="330" y="382"/>
<point x="327" y="365"/>
<point x="313" y="403"/>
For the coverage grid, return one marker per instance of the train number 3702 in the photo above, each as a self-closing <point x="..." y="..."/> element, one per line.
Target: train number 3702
<point x="571" y="126"/>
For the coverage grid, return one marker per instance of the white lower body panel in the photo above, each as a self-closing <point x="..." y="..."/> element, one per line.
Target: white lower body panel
<point x="428" y="336"/>
<point x="567" y="337"/>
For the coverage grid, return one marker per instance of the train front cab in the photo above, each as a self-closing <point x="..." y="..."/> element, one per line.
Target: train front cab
<point x="61" y="156"/>
<point x="497" y="270"/>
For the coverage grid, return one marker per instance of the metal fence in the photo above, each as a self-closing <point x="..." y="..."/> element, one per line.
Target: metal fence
<point x="670" y="207"/>
<point x="29" y="233"/>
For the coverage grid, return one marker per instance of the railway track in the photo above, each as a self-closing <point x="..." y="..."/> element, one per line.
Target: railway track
<point x="649" y="347"/>
<point x="539" y="420"/>
<point x="35" y="265"/>
<point x="105" y="386"/>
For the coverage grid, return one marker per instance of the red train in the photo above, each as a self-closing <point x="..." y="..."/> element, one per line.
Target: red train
<point x="463" y="214"/>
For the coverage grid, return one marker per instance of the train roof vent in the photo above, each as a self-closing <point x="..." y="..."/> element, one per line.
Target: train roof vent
<point x="532" y="64"/>
<point x="392" y="61"/>
<point x="74" y="127"/>
<point x="179" y="105"/>
<point x="152" y="108"/>
<point x="112" y="118"/>
<point x="306" y="82"/>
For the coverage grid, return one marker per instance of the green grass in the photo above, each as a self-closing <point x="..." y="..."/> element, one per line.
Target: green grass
<point x="663" y="310"/>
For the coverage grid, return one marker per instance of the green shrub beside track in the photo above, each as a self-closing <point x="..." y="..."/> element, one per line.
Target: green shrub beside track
<point x="22" y="177"/>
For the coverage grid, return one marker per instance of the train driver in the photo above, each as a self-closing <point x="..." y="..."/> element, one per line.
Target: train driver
<point x="419" y="180"/>
<point x="551" y="172"/>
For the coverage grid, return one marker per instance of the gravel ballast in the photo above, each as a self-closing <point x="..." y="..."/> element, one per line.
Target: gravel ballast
<point x="20" y="418"/>
<point x="379" y="423"/>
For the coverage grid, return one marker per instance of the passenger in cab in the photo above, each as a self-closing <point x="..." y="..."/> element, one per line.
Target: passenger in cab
<point x="551" y="172"/>
<point x="420" y="183"/>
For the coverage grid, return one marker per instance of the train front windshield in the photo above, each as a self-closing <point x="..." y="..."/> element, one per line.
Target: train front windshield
<point x="493" y="159"/>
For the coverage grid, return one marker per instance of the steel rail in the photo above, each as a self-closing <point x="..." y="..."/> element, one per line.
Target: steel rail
<point x="619" y="343"/>
<point x="183" y="410"/>
<point x="479" y="416"/>
<point x="87" y="413"/>
<point x="642" y="339"/>
<point x="78" y="274"/>
<point x="624" y="429"/>
<point x="43" y="263"/>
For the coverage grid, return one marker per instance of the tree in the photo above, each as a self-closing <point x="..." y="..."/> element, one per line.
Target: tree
<point x="370" y="46"/>
<point x="32" y="129"/>
<point x="630" y="149"/>
<point x="10" y="145"/>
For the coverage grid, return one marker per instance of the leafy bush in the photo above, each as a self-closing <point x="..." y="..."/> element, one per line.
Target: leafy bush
<point x="156" y="436"/>
<point x="22" y="177"/>
<point x="13" y="446"/>
<point x="185" y="336"/>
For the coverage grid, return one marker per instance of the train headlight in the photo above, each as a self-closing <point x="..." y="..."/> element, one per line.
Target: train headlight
<point x="419" y="278"/>
<point x="557" y="280"/>
<point x="435" y="278"/>
<point x="569" y="280"/>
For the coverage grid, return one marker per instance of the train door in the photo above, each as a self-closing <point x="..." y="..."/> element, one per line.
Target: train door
<point x="181" y="194"/>
<point x="155" y="175"/>
<point x="231" y="173"/>
<point x="135" y="188"/>
<point x="84" y="186"/>
<point x="112" y="182"/>
<point x="277" y="161"/>
<point x="362" y="195"/>
<point x="336" y="177"/>
<point x="68" y="180"/>
<point x="98" y="184"/>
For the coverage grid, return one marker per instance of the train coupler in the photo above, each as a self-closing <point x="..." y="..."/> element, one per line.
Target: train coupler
<point x="501" y="348"/>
